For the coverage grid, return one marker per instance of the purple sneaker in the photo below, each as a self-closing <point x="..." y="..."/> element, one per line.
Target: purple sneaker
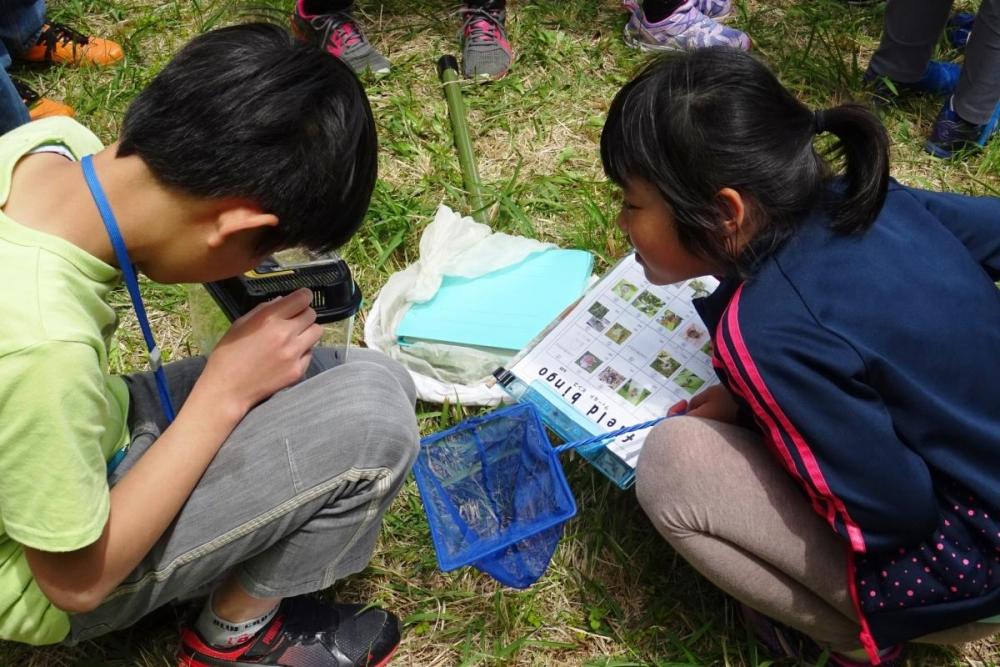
<point x="952" y="134"/>
<point x="687" y="28"/>
<point x="715" y="9"/>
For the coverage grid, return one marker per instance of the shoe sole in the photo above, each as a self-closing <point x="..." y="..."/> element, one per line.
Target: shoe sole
<point x="197" y="662"/>
<point x="634" y="43"/>
<point x="631" y="41"/>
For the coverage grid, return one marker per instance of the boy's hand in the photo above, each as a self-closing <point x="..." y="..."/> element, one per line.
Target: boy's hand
<point x="267" y="349"/>
<point x="714" y="403"/>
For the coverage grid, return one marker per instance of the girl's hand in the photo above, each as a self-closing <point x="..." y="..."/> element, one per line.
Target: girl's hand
<point x="267" y="349"/>
<point x="714" y="403"/>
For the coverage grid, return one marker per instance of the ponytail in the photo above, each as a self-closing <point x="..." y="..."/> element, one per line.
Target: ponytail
<point x="692" y="124"/>
<point x="863" y="144"/>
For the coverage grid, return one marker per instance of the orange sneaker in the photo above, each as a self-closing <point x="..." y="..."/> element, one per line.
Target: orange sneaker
<point x="63" y="45"/>
<point x="38" y="106"/>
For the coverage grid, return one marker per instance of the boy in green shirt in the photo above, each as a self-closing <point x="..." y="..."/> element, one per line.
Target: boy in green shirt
<point x="272" y="480"/>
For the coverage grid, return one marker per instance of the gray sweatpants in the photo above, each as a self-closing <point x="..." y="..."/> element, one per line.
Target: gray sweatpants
<point x="725" y="504"/>
<point x="912" y="29"/>
<point x="293" y="500"/>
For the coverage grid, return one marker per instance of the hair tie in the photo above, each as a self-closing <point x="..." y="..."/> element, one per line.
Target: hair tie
<point x="819" y="121"/>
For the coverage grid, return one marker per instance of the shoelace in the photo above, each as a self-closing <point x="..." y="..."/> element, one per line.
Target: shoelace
<point x="481" y="25"/>
<point x="341" y="26"/>
<point x="55" y="33"/>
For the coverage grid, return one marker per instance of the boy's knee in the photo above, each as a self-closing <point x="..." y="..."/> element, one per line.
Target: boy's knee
<point x="396" y="369"/>
<point x="377" y="411"/>
<point x="402" y="376"/>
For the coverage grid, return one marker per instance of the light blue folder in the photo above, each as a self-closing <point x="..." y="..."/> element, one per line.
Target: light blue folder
<point x="504" y="309"/>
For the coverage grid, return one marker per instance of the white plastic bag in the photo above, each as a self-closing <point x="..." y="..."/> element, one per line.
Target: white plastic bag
<point x="451" y="245"/>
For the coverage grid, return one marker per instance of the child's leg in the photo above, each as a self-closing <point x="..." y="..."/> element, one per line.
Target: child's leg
<point x="292" y="502"/>
<point x="19" y="24"/>
<point x="723" y="502"/>
<point x="978" y="89"/>
<point x="908" y="38"/>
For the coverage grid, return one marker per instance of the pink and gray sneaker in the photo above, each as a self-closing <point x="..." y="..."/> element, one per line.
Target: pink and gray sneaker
<point x="486" y="53"/>
<point x="341" y="36"/>
<point x="688" y="27"/>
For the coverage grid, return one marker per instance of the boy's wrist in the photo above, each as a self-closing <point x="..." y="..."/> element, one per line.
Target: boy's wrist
<point x="215" y="405"/>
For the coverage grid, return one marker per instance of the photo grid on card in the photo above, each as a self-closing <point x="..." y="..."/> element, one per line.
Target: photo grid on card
<point x="617" y="341"/>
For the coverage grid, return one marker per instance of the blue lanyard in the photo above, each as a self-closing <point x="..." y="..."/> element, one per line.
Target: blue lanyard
<point x="125" y="264"/>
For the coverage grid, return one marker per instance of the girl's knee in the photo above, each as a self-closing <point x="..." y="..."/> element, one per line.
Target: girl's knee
<point x="669" y="458"/>
<point x="687" y="467"/>
<point x="674" y="448"/>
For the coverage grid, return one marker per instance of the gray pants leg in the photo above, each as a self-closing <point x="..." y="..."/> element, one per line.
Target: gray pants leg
<point x="725" y="504"/>
<point x="908" y="38"/>
<point x="294" y="499"/>
<point x="978" y="90"/>
<point x="911" y="32"/>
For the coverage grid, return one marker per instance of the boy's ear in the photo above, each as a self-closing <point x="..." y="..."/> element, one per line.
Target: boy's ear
<point x="239" y="218"/>
<point x="733" y="209"/>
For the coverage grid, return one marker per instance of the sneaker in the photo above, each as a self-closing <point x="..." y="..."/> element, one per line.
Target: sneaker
<point x="782" y="642"/>
<point x="959" y="29"/>
<point x="63" y="45"/>
<point x="486" y="53"/>
<point x="687" y="28"/>
<point x="38" y="106"/>
<point x="715" y="9"/>
<point x="951" y="134"/>
<point x="305" y="633"/>
<point x="940" y="78"/>
<point x="341" y="36"/>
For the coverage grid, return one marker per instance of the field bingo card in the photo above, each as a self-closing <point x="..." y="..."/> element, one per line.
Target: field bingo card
<point x="626" y="352"/>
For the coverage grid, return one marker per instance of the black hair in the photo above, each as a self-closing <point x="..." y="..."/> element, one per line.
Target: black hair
<point x="246" y="111"/>
<point x="693" y="124"/>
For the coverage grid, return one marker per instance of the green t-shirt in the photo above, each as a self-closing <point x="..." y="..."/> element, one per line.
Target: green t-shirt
<point x="62" y="415"/>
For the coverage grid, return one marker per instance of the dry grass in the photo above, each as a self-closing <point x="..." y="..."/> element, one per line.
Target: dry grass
<point x="615" y="594"/>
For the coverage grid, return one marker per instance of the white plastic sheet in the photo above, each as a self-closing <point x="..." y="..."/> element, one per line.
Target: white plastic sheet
<point x="451" y="245"/>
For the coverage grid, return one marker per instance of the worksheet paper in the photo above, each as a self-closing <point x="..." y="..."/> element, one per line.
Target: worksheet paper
<point x="625" y="353"/>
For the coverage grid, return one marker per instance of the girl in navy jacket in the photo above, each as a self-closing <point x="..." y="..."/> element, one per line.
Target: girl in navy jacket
<point x="843" y="481"/>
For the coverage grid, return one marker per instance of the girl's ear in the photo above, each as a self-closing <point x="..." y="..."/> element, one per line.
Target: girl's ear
<point x="733" y="210"/>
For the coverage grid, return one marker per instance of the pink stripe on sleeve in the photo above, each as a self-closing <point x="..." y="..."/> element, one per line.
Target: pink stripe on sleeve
<point x="775" y="437"/>
<point x="802" y="448"/>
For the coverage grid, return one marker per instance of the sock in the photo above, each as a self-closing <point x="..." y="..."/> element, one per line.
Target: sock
<point x="319" y="7"/>
<point x="489" y="5"/>
<point x="657" y="10"/>
<point x="220" y="633"/>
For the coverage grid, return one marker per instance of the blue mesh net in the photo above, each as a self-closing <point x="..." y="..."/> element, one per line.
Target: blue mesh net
<point x="495" y="495"/>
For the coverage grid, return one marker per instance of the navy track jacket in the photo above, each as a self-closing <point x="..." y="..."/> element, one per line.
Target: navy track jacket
<point x="871" y="365"/>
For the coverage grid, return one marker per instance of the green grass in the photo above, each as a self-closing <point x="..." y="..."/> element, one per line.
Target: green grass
<point x="615" y="594"/>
